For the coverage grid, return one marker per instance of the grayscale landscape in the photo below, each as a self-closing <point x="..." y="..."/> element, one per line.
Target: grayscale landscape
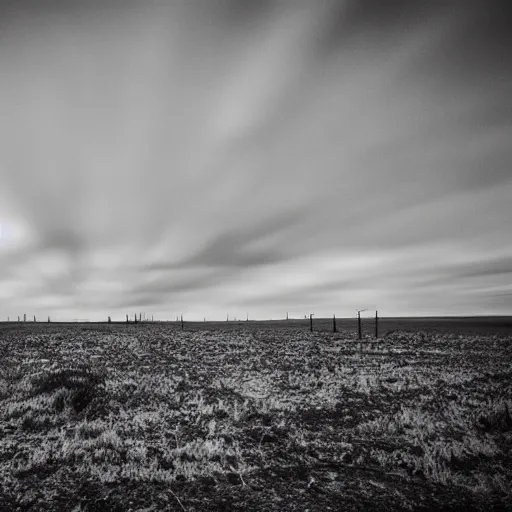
<point x="255" y="255"/>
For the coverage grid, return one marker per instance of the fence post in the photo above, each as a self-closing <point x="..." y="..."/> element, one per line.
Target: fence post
<point x="359" y="330"/>
<point x="376" y="324"/>
<point x="24" y="317"/>
<point x="48" y="319"/>
<point x="127" y="319"/>
<point x="181" y="322"/>
<point x="334" y="324"/>
<point x="311" y="322"/>
<point x="34" y="318"/>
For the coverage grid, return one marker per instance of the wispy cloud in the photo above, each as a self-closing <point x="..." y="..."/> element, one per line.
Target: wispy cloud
<point x="204" y="156"/>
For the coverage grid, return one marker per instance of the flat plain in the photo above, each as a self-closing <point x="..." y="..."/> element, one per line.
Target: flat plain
<point x="256" y="416"/>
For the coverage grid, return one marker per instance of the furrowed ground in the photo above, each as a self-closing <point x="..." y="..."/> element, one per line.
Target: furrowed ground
<point x="149" y="418"/>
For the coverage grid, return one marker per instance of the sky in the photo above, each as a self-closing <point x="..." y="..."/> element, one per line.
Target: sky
<point x="233" y="157"/>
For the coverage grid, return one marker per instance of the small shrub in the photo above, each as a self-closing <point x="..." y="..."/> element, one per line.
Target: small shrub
<point x="76" y="388"/>
<point x="80" y="378"/>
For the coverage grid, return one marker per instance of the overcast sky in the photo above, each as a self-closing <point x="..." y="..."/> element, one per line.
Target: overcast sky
<point x="207" y="157"/>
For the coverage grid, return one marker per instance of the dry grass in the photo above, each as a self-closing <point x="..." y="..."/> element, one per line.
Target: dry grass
<point x="154" y="418"/>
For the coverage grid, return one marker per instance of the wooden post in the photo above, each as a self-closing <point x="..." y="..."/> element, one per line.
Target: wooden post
<point x="287" y="315"/>
<point x="24" y="317"/>
<point x="34" y="318"/>
<point x="359" y="330"/>
<point x="334" y="324"/>
<point x="181" y="322"/>
<point x="376" y="324"/>
<point x="48" y="319"/>
<point x="127" y="321"/>
<point x="109" y="320"/>
<point x="18" y="318"/>
<point x="311" y="322"/>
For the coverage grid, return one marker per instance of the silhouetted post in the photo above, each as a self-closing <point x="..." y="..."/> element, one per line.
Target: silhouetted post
<point x="18" y="318"/>
<point x="109" y="320"/>
<point x="334" y="324"/>
<point x="48" y="319"/>
<point x="127" y="319"/>
<point x="287" y="315"/>
<point x="227" y="317"/>
<point x="8" y="319"/>
<point x="376" y="324"/>
<point x="247" y="317"/>
<point x="34" y="318"/>
<point x="24" y="317"/>
<point x="359" y="330"/>
<point x="181" y="322"/>
<point x="152" y="318"/>
<point x="135" y="317"/>
<point x="311" y="322"/>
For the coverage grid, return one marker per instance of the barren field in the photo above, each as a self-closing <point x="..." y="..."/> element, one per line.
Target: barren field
<point x="253" y="417"/>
